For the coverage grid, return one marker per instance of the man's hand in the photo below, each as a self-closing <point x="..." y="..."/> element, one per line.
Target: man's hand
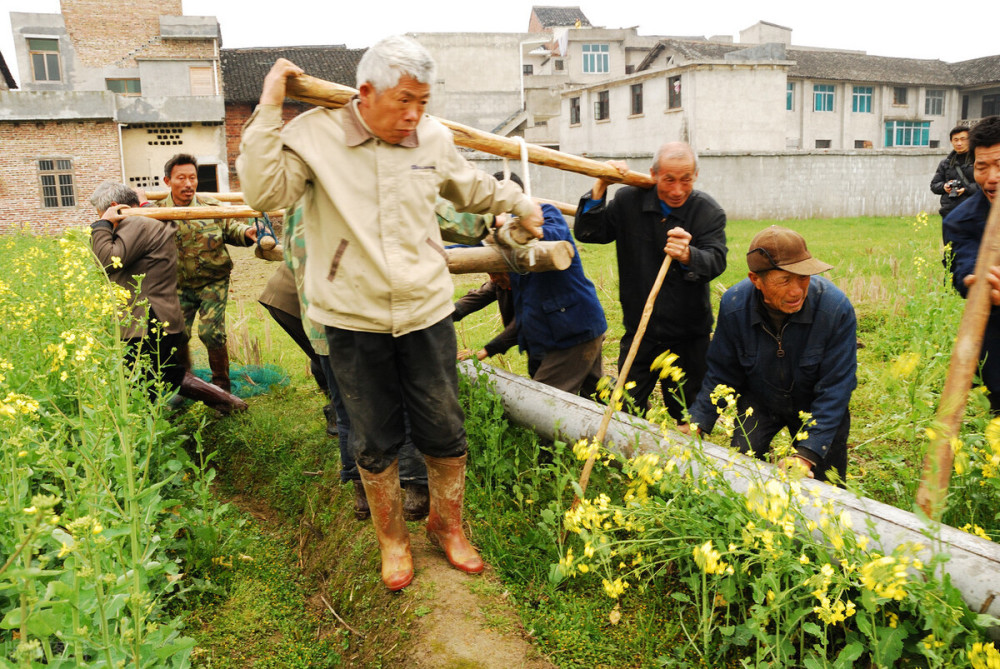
<point x="251" y="235"/>
<point x="114" y="215"/>
<point x="465" y="354"/>
<point x="273" y="92"/>
<point x="533" y="222"/>
<point x="685" y="428"/>
<point x="799" y="463"/>
<point x="601" y="185"/>
<point x="679" y="245"/>
<point x="993" y="278"/>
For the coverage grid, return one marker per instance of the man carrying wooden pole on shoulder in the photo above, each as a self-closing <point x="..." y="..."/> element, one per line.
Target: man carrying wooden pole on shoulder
<point x="367" y="176"/>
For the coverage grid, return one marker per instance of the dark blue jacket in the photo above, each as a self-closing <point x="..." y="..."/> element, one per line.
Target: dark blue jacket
<point x="963" y="229"/>
<point x="816" y="374"/>
<point x="559" y="309"/>
<point x="634" y="220"/>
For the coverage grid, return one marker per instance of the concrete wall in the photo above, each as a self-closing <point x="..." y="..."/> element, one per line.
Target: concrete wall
<point x="776" y="186"/>
<point x="146" y="147"/>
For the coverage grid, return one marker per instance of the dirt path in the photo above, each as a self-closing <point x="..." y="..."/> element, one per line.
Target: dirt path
<point x="468" y="623"/>
<point x="460" y="621"/>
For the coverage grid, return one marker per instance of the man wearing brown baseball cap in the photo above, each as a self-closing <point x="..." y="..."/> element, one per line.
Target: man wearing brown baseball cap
<point x="786" y="343"/>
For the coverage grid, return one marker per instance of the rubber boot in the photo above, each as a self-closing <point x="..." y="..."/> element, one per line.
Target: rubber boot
<point x="446" y="480"/>
<point x="218" y="361"/>
<point x="385" y="499"/>
<point x="184" y="356"/>
<point x="416" y="501"/>
<point x="361" y="509"/>
<point x="225" y="403"/>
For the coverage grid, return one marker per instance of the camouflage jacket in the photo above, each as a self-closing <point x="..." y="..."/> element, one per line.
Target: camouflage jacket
<point x="202" y="256"/>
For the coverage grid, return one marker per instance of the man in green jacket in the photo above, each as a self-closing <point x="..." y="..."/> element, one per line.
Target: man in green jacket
<point x="203" y="262"/>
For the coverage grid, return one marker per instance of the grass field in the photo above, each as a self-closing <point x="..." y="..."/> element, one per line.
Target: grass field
<point x="907" y="317"/>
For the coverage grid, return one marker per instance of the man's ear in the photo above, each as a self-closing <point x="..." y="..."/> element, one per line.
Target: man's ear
<point x="756" y="280"/>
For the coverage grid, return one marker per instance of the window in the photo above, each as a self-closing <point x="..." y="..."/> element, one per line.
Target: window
<point x="636" y="99"/>
<point x="991" y="105"/>
<point x="559" y="65"/>
<point x="823" y="97"/>
<point x="56" y="175"/>
<point x="674" y="93"/>
<point x="907" y="133"/>
<point x="823" y="143"/>
<point x="899" y="95"/>
<point x="789" y="95"/>
<point x="862" y="101"/>
<point x="124" y="86"/>
<point x="934" y="103"/>
<point x="595" y="59"/>
<point x="862" y="144"/>
<point x="574" y="111"/>
<point x="44" y="55"/>
<point x="202" y="81"/>
<point x="527" y="69"/>
<point x="602" y="106"/>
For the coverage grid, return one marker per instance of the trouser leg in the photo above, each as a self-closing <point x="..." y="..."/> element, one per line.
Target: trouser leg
<point x="572" y="369"/>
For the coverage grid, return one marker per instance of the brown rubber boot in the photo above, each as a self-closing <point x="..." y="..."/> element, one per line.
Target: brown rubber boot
<point x="225" y="403"/>
<point x="361" y="509"/>
<point x="416" y="501"/>
<point x="446" y="480"/>
<point x="385" y="499"/>
<point x="218" y="361"/>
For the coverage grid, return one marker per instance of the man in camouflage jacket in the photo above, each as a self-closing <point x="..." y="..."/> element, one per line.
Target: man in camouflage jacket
<point x="203" y="262"/>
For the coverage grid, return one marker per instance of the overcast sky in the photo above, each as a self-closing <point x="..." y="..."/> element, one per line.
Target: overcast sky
<point x="879" y="28"/>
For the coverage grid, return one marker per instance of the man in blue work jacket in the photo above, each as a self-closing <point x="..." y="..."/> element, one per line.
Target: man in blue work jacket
<point x="786" y="343"/>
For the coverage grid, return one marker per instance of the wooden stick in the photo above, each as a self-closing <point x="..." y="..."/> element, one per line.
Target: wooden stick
<point x="647" y="311"/>
<point x="933" y="492"/>
<point x="328" y="94"/>
<point x="190" y="213"/>
<point x="236" y="197"/>
<point x="548" y="256"/>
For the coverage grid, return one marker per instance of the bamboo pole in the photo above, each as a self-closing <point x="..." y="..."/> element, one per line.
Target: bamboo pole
<point x="328" y="94"/>
<point x="548" y="256"/>
<point x="647" y="311"/>
<point x="191" y="213"/>
<point x="236" y="197"/>
<point x="933" y="491"/>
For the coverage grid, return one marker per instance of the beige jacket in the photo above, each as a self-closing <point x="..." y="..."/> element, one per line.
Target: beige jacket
<point x="376" y="260"/>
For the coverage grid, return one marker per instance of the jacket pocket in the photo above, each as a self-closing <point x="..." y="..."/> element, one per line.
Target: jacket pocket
<point x="437" y="247"/>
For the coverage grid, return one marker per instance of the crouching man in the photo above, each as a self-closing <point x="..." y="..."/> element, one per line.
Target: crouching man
<point x="786" y="343"/>
<point x="368" y="176"/>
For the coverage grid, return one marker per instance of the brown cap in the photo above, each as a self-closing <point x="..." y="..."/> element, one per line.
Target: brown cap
<point x="780" y="248"/>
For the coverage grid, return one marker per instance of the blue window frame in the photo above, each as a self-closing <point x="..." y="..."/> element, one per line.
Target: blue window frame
<point x="907" y="133"/>
<point x="823" y="97"/>
<point x="596" y="59"/>
<point x="862" y="101"/>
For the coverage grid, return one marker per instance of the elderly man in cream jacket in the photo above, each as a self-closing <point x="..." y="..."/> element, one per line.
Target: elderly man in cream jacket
<point x="367" y="176"/>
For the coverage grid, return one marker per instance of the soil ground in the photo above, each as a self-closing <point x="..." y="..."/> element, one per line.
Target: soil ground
<point x="460" y="621"/>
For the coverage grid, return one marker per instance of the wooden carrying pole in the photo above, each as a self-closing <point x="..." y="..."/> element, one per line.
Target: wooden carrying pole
<point x="933" y="492"/>
<point x="328" y="94"/>
<point x="602" y="430"/>
<point x="236" y="197"/>
<point x="548" y="256"/>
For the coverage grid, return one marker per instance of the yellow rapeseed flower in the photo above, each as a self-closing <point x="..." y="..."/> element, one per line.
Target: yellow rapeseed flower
<point x="984" y="656"/>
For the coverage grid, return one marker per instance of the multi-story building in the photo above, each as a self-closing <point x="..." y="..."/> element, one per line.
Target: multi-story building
<point x="98" y="105"/>
<point x="771" y="96"/>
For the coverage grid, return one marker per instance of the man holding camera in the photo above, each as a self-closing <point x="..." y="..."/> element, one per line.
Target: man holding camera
<point x="954" y="180"/>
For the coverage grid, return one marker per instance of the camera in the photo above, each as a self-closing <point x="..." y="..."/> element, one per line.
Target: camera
<point x="955" y="184"/>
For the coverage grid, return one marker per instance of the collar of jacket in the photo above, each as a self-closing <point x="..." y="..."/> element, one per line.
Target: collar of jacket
<point x="758" y="315"/>
<point x="356" y="131"/>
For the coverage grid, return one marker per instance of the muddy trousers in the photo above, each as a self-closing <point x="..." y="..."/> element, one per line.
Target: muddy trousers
<point x="380" y="377"/>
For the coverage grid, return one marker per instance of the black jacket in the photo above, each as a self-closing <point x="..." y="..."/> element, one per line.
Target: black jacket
<point x="954" y="167"/>
<point x="634" y="220"/>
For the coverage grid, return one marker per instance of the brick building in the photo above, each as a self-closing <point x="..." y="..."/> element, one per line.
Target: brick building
<point x="243" y="71"/>
<point x="92" y="107"/>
